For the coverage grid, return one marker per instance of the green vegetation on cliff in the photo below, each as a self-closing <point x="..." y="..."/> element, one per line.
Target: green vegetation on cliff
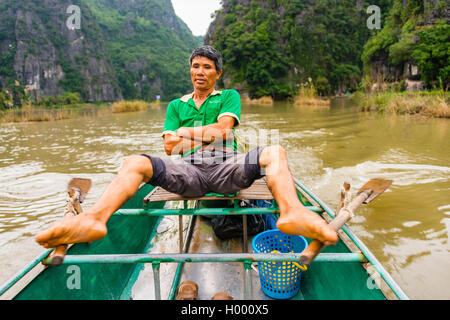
<point x="148" y="45"/>
<point x="139" y="49"/>
<point x="416" y="33"/>
<point x="271" y="47"/>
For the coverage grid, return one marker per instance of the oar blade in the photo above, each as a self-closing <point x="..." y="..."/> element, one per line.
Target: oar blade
<point x="378" y="186"/>
<point x="84" y="185"/>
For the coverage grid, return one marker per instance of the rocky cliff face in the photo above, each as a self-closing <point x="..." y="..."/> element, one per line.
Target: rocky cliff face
<point x="122" y="48"/>
<point x="49" y="58"/>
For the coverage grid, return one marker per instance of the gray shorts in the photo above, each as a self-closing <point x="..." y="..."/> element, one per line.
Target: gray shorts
<point x="208" y="171"/>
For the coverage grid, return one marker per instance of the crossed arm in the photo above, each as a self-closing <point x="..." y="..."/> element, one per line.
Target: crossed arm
<point x="188" y="138"/>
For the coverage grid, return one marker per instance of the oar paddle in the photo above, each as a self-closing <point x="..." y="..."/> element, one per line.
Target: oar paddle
<point x="77" y="190"/>
<point x="366" y="194"/>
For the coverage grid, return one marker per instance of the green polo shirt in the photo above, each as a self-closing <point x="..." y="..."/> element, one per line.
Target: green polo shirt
<point x="183" y="112"/>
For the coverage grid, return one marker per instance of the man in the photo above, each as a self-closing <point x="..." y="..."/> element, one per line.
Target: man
<point x="200" y="127"/>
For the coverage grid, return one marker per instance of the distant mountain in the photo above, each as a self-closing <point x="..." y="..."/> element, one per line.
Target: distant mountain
<point x="123" y="49"/>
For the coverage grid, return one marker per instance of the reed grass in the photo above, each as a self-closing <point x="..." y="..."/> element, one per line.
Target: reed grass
<point x="155" y="104"/>
<point x="263" y="101"/>
<point x="129" y="106"/>
<point x="30" y="113"/>
<point x="429" y="104"/>
<point x="307" y="96"/>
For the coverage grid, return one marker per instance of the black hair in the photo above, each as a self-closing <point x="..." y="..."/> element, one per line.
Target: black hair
<point x="210" y="53"/>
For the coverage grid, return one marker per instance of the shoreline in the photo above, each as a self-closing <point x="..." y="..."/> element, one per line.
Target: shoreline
<point x="38" y="113"/>
<point x="430" y="104"/>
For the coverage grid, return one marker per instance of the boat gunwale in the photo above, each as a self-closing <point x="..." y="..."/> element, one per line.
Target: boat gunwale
<point x="350" y="239"/>
<point x="14" y="285"/>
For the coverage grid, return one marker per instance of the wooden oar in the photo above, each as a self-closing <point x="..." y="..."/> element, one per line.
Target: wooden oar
<point x="366" y="194"/>
<point x="77" y="190"/>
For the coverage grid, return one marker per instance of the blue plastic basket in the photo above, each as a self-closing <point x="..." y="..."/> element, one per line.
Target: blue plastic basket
<point x="279" y="280"/>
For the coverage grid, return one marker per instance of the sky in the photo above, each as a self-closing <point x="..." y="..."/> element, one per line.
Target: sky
<point x="196" y="13"/>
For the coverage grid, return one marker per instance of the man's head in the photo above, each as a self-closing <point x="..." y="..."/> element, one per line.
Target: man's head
<point x="210" y="53"/>
<point x="206" y="67"/>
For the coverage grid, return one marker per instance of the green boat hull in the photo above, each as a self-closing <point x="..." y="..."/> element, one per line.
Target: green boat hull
<point x="337" y="280"/>
<point x="133" y="234"/>
<point x="322" y="280"/>
<point x="99" y="281"/>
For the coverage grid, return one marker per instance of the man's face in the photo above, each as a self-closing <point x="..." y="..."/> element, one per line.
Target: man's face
<point x="203" y="73"/>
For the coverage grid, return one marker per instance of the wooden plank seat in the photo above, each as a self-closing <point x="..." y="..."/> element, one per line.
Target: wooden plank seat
<point x="257" y="191"/>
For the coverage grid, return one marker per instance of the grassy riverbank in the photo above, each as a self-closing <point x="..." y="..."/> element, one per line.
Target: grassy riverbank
<point x="133" y="106"/>
<point x="424" y="103"/>
<point x="263" y="101"/>
<point x="31" y="112"/>
<point x="429" y="104"/>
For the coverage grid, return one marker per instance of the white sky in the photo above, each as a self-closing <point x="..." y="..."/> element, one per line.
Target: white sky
<point x="196" y="13"/>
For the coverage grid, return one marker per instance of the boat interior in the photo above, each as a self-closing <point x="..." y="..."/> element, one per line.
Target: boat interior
<point x="323" y="280"/>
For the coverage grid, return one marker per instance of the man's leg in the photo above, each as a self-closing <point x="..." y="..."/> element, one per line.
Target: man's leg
<point x="90" y="225"/>
<point x="294" y="217"/>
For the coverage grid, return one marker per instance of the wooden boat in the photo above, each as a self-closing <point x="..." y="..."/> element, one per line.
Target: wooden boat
<point x="113" y="267"/>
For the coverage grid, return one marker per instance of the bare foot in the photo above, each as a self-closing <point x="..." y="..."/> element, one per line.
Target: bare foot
<point x="301" y="221"/>
<point x="81" y="228"/>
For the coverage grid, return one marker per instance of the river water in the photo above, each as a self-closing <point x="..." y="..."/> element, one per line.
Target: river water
<point x="407" y="227"/>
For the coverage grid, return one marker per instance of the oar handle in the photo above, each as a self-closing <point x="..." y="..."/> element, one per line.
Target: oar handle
<point x="58" y="255"/>
<point x="73" y="209"/>
<point x="342" y="217"/>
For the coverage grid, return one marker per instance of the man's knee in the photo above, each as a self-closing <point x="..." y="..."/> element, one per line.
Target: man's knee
<point x="277" y="151"/>
<point x="272" y="154"/>
<point x="138" y="164"/>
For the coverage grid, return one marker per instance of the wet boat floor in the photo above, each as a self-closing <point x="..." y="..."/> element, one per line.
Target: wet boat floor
<point x="210" y="277"/>
<point x="218" y="277"/>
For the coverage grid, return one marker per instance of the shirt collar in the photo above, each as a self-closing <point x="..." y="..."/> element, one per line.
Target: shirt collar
<point x="189" y="96"/>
